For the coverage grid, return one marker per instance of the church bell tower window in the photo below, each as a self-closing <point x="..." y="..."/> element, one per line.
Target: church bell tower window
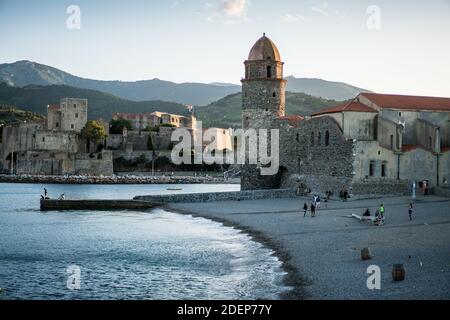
<point x="269" y="72"/>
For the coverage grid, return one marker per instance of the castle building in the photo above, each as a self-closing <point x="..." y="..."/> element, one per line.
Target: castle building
<point x="54" y="146"/>
<point x="69" y="115"/>
<point x="372" y="144"/>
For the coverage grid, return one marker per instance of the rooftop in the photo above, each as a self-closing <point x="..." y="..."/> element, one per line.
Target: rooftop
<point x="396" y="101"/>
<point x="346" y="106"/>
<point x="264" y="49"/>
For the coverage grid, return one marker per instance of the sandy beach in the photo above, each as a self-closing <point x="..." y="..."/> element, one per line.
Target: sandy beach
<point x="322" y="254"/>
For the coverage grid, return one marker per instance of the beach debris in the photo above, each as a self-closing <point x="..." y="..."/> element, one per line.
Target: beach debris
<point x="366" y="254"/>
<point x="398" y="272"/>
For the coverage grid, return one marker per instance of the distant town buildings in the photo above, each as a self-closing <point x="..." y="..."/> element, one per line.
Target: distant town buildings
<point x="141" y="121"/>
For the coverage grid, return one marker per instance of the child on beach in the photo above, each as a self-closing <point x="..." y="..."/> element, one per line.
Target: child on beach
<point x="305" y="209"/>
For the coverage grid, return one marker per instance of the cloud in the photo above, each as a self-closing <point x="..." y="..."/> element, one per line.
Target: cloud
<point x="227" y="11"/>
<point x="341" y="14"/>
<point x="234" y="8"/>
<point x="292" y="18"/>
<point x="322" y="9"/>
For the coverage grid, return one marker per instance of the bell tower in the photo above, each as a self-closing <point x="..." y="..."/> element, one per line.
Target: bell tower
<point x="263" y="101"/>
<point x="263" y="88"/>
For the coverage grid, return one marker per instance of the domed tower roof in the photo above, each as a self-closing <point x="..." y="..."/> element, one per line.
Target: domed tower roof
<point x="264" y="49"/>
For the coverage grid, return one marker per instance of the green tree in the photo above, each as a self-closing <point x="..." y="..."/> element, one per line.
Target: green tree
<point x="118" y="125"/>
<point x="93" y="131"/>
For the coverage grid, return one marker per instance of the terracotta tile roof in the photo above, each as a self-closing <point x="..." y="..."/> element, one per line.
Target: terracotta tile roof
<point x="346" y="106"/>
<point x="293" y="119"/>
<point x="403" y="102"/>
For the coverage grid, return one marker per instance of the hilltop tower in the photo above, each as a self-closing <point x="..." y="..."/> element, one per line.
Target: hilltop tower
<point x="263" y="101"/>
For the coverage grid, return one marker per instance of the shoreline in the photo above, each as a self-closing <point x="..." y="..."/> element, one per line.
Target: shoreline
<point x="321" y="256"/>
<point x="292" y="278"/>
<point x="127" y="179"/>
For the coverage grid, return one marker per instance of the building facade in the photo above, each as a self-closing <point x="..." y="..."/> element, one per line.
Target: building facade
<point x="54" y="146"/>
<point x="373" y="144"/>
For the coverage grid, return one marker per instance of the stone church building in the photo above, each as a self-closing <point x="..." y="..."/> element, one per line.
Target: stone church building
<point x="372" y="144"/>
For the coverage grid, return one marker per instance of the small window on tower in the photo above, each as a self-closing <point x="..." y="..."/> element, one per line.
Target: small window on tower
<point x="274" y="94"/>
<point x="268" y="58"/>
<point x="72" y="126"/>
<point x="76" y="115"/>
<point x="269" y="72"/>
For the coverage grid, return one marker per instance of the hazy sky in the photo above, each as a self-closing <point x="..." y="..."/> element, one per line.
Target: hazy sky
<point x="208" y="40"/>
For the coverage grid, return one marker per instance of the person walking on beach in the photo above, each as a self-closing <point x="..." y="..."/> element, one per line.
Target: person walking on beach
<point x="318" y="202"/>
<point x="305" y="209"/>
<point x="410" y="211"/>
<point x="45" y="193"/>
<point x="382" y="210"/>
<point x="313" y="210"/>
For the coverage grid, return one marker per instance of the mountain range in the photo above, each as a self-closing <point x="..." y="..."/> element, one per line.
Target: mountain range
<point x="224" y="113"/>
<point x="24" y="73"/>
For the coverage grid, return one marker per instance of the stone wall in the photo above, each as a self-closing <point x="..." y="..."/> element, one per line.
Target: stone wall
<point x="220" y="196"/>
<point x="99" y="163"/>
<point x="66" y="141"/>
<point x="44" y="163"/>
<point x="18" y="137"/>
<point x="380" y="186"/>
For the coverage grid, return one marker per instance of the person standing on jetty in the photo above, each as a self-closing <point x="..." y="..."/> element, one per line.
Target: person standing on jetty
<point x="305" y="209"/>
<point x="410" y="211"/>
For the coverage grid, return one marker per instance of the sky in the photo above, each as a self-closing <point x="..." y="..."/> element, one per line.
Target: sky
<point x="400" y="47"/>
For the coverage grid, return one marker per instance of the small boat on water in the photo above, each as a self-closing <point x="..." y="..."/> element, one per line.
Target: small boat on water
<point x="174" y="189"/>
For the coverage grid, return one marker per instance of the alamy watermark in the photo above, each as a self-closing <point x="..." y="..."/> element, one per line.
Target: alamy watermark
<point x="74" y="278"/>
<point x="374" y="280"/>
<point x="251" y="147"/>
<point x="374" y="19"/>
<point x="73" y="21"/>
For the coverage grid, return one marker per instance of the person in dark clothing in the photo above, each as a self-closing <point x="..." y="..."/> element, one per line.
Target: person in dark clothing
<point x="367" y="213"/>
<point x="313" y="210"/>
<point x="305" y="209"/>
<point x="410" y="211"/>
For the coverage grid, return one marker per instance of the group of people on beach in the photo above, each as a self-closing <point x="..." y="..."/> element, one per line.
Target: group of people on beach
<point x="379" y="215"/>
<point x="315" y="204"/>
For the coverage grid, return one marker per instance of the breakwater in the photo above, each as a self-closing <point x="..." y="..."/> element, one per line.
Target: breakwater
<point x="128" y="179"/>
<point x="220" y="196"/>
<point x="61" y="205"/>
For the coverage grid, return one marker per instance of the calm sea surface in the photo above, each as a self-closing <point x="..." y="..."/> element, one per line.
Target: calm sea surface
<point x="126" y="254"/>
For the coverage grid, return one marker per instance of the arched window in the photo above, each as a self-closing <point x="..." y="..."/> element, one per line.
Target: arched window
<point x="319" y="138"/>
<point x="312" y="138"/>
<point x="269" y="71"/>
<point x="297" y="137"/>
<point x="274" y="94"/>
<point x="327" y="138"/>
